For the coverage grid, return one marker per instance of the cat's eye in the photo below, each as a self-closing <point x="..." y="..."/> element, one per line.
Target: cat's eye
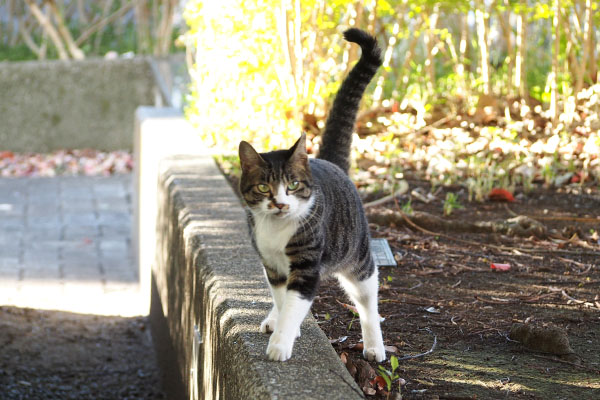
<point x="293" y="185"/>
<point x="262" y="188"/>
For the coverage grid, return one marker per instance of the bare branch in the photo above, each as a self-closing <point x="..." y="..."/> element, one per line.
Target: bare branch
<point x="102" y="23"/>
<point x="48" y="28"/>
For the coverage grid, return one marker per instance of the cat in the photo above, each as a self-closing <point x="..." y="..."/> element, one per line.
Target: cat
<point x="307" y="222"/>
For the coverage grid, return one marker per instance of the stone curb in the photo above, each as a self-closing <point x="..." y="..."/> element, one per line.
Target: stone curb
<point x="210" y="295"/>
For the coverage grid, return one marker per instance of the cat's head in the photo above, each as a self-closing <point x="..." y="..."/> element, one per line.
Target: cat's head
<point x="278" y="183"/>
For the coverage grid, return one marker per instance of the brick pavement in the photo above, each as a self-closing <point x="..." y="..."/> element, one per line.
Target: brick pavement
<point x="65" y="243"/>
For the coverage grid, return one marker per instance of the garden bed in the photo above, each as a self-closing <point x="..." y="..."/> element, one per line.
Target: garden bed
<point x="445" y="288"/>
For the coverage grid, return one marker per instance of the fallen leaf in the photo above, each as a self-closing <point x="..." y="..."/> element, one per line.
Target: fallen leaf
<point x="500" y="267"/>
<point x="378" y="382"/>
<point x="6" y="154"/>
<point x="357" y="347"/>
<point x="369" y="391"/>
<point x="499" y="194"/>
<point x="391" y="349"/>
<point x="432" y="310"/>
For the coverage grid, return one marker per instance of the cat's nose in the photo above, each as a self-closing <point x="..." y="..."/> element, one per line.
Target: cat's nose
<point x="280" y="206"/>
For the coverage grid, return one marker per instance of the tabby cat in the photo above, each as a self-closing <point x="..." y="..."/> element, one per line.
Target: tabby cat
<point x="307" y="222"/>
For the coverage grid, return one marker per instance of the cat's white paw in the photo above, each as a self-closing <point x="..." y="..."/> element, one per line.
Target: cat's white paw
<point x="279" y="350"/>
<point x="374" y="353"/>
<point x="268" y="325"/>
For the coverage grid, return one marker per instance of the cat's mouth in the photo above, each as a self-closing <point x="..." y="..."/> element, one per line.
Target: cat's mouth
<point x="282" y="213"/>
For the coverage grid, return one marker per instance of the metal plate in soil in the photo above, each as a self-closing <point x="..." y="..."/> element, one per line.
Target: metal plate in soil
<point x="382" y="254"/>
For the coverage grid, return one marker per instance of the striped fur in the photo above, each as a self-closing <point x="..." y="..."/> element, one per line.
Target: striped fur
<point x="307" y="222"/>
<point x="337" y="138"/>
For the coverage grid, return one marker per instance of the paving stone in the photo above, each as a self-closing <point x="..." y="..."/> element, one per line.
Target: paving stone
<point x="44" y="221"/>
<point x="113" y="231"/>
<point x="119" y="205"/>
<point x="114" y="218"/>
<point x="9" y="263"/>
<point x="120" y="276"/>
<point x="79" y="273"/>
<point x="10" y="250"/>
<point x="34" y="233"/>
<point x="11" y="210"/>
<point x="82" y="218"/>
<point x="30" y="274"/>
<point x="81" y="232"/>
<point x="124" y="263"/>
<point x="42" y="209"/>
<point x="45" y="245"/>
<point x="11" y="275"/>
<point x="10" y="221"/>
<point x="66" y="238"/>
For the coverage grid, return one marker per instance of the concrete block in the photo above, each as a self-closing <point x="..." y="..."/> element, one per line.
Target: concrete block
<point x="159" y="133"/>
<point x="208" y="284"/>
<point x="51" y="105"/>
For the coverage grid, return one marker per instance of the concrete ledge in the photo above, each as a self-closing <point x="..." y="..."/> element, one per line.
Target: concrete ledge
<point x="209" y="293"/>
<point x="210" y="296"/>
<point x="50" y="105"/>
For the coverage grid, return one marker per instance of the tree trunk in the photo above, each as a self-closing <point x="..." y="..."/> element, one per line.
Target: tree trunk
<point x="590" y="44"/>
<point x="504" y="19"/>
<point x="387" y="57"/>
<point x="587" y="33"/>
<point x="482" y="39"/>
<point x="142" y="19"/>
<point x="463" y="50"/>
<point x="165" y="29"/>
<point x="410" y="53"/>
<point x="555" y="64"/>
<point x="64" y="31"/>
<point x="105" y="11"/>
<point x="429" y="39"/>
<point x="520" y="52"/>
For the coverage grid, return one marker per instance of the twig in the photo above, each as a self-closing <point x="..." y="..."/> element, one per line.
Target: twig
<point x="493" y="246"/>
<point x="47" y="26"/>
<point x="566" y="362"/>
<point x="401" y="190"/>
<point x="422" y="354"/>
<point x="102" y="23"/>
<point x="574" y="300"/>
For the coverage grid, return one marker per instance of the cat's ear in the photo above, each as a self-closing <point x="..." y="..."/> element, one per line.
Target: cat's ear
<point x="298" y="152"/>
<point x="249" y="158"/>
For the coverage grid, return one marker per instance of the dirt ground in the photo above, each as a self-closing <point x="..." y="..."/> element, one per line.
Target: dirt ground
<point x="60" y="355"/>
<point x="444" y="289"/>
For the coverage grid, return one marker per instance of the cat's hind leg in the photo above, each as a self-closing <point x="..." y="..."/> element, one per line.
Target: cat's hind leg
<point x="363" y="294"/>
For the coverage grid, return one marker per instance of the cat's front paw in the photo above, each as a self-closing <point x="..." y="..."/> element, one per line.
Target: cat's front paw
<point x="374" y="353"/>
<point x="279" y="350"/>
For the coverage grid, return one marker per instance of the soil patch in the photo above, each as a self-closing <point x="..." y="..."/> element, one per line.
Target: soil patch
<point x="445" y="289"/>
<point x="60" y="355"/>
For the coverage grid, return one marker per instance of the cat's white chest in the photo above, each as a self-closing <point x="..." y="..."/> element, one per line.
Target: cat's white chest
<point x="272" y="236"/>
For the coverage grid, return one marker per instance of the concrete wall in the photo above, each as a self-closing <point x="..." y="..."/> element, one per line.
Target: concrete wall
<point x="53" y="105"/>
<point x="209" y="293"/>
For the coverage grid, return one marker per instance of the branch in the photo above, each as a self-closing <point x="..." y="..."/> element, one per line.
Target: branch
<point x="28" y="39"/>
<point x="64" y="31"/>
<point x="102" y="23"/>
<point x="48" y="28"/>
<point x="422" y="354"/>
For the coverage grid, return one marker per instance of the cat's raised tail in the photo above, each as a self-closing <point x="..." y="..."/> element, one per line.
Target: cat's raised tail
<point x="337" y="137"/>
